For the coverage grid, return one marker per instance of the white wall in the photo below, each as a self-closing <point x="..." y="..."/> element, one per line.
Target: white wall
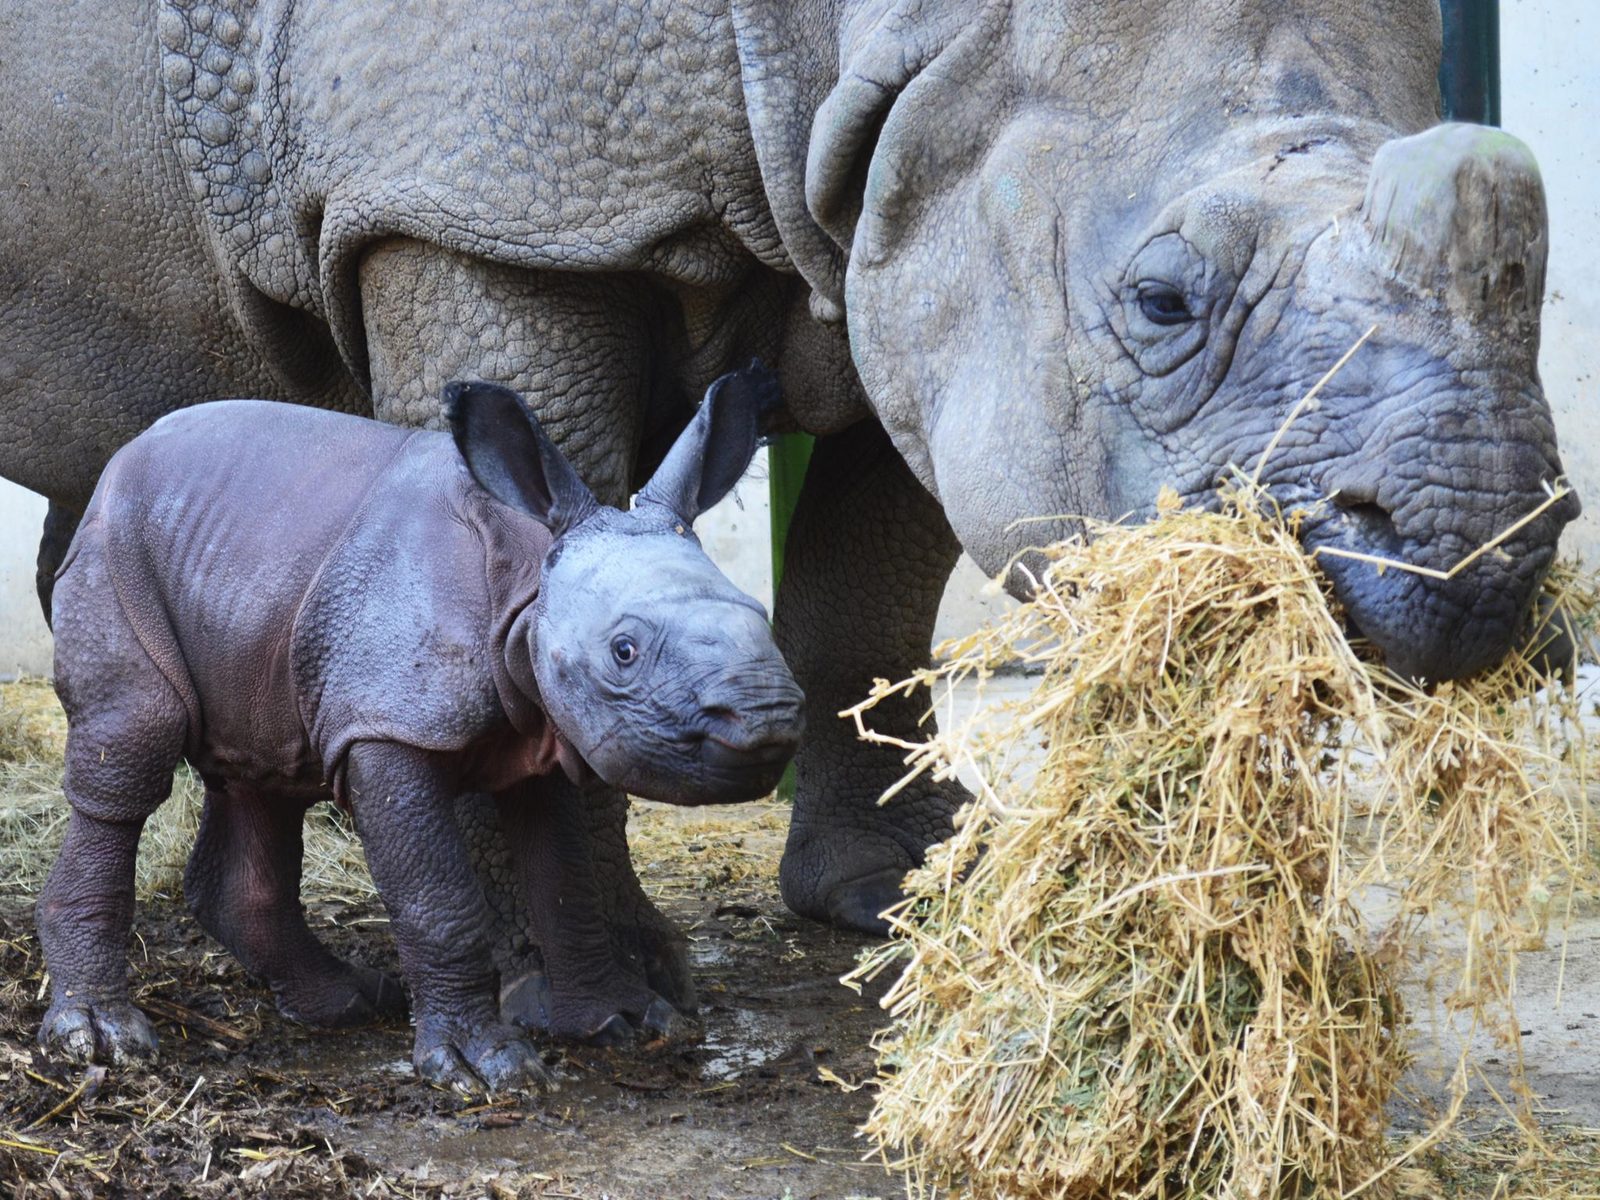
<point x="24" y="640"/>
<point x="1551" y="99"/>
<point x="736" y="535"/>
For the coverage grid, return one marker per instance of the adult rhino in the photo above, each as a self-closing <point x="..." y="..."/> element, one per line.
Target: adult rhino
<point x="1011" y="258"/>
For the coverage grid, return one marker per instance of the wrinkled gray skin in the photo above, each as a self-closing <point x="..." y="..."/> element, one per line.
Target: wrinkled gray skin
<point x="301" y="603"/>
<point x="1080" y="249"/>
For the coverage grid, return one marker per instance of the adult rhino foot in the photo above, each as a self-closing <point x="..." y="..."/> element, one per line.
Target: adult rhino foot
<point x="341" y="997"/>
<point x="860" y="903"/>
<point x="477" y="1059"/>
<point x="659" y="1021"/>
<point x="594" y="935"/>
<point x="113" y="1032"/>
<point x="849" y="871"/>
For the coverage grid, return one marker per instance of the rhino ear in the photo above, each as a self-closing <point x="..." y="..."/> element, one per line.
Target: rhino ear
<point x="713" y="452"/>
<point x="512" y="458"/>
<point x="816" y="97"/>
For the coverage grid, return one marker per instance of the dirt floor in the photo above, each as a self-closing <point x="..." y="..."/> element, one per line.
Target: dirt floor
<point x="245" y="1103"/>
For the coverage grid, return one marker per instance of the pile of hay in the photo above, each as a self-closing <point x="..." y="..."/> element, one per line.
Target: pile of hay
<point x="1138" y="969"/>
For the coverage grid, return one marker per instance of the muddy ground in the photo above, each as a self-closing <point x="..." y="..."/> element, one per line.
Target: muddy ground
<point x="245" y="1102"/>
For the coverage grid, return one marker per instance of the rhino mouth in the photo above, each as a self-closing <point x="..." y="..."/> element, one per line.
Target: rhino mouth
<point x="747" y="761"/>
<point x="1427" y="629"/>
<point x="1433" y="629"/>
<point x="724" y="755"/>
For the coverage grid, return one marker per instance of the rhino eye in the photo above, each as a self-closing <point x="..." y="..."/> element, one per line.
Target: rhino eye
<point x="624" y="649"/>
<point x="1163" y="304"/>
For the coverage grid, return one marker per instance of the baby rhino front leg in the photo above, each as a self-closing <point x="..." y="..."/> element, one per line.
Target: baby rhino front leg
<point x="402" y="798"/>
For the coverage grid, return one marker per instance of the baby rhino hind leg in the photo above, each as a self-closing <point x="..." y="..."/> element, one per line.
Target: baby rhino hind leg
<point x="243" y="885"/>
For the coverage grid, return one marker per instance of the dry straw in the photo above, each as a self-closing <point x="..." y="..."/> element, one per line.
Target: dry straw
<point x="1138" y="969"/>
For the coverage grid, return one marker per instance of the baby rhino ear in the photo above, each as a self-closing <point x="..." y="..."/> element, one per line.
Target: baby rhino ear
<point x="712" y="453"/>
<point x="512" y="458"/>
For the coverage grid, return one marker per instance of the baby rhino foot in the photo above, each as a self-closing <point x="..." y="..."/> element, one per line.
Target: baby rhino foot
<point x="530" y="1002"/>
<point x="340" y="998"/>
<point x="473" y="1060"/>
<point x="113" y="1032"/>
<point x="607" y="1023"/>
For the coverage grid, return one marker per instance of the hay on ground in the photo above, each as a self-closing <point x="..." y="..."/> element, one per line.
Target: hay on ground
<point x="1138" y="969"/>
<point x="33" y="813"/>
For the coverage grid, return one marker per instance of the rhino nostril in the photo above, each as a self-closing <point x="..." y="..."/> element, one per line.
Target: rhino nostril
<point x="1360" y="500"/>
<point x="1371" y="522"/>
<point x="1368" y="514"/>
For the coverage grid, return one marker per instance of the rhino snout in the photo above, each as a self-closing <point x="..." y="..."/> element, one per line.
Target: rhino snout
<point x="749" y="729"/>
<point x="1432" y="627"/>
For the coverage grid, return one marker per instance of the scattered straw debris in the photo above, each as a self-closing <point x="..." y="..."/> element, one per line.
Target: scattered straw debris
<point x="1138" y="968"/>
<point x="1565" y="1165"/>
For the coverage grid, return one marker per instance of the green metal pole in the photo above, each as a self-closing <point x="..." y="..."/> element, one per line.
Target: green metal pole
<point x="1469" y="72"/>
<point x="787" y="459"/>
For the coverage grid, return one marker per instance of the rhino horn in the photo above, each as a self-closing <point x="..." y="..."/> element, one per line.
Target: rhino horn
<point x="1459" y="211"/>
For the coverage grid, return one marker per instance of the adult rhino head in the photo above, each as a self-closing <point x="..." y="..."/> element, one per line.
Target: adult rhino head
<point x="1088" y="249"/>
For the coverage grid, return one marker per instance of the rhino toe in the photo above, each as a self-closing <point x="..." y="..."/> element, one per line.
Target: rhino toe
<point x="497" y="1058"/>
<point x="511" y="1066"/>
<point x="662" y="1020"/>
<point x="443" y="1066"/>
<point x="114" y="1033"/>
<point x="860" y="903"/>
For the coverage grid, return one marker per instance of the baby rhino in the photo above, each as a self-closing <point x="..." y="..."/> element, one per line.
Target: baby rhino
<point x="302" y="603"/>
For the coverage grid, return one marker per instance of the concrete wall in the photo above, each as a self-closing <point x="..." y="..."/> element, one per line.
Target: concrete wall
<point x="24" y="639"/>
<point x="1550" y="98"/>
<point x="1551" y="76"/>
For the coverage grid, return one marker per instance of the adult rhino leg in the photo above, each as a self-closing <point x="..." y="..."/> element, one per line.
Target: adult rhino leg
<point x="60" y="523"/>
<point x="512" y="934"/>
<point x="579" y="348"/>
<point x="865" y="565"/>
<point x="614" y="919"/>
<point x="243" y="885"/>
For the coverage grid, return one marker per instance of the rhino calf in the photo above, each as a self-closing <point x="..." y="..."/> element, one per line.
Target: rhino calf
<point x="304" y="604"/>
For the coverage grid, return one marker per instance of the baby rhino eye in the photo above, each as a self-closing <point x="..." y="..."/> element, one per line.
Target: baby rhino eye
<point x="623" y="649"/>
